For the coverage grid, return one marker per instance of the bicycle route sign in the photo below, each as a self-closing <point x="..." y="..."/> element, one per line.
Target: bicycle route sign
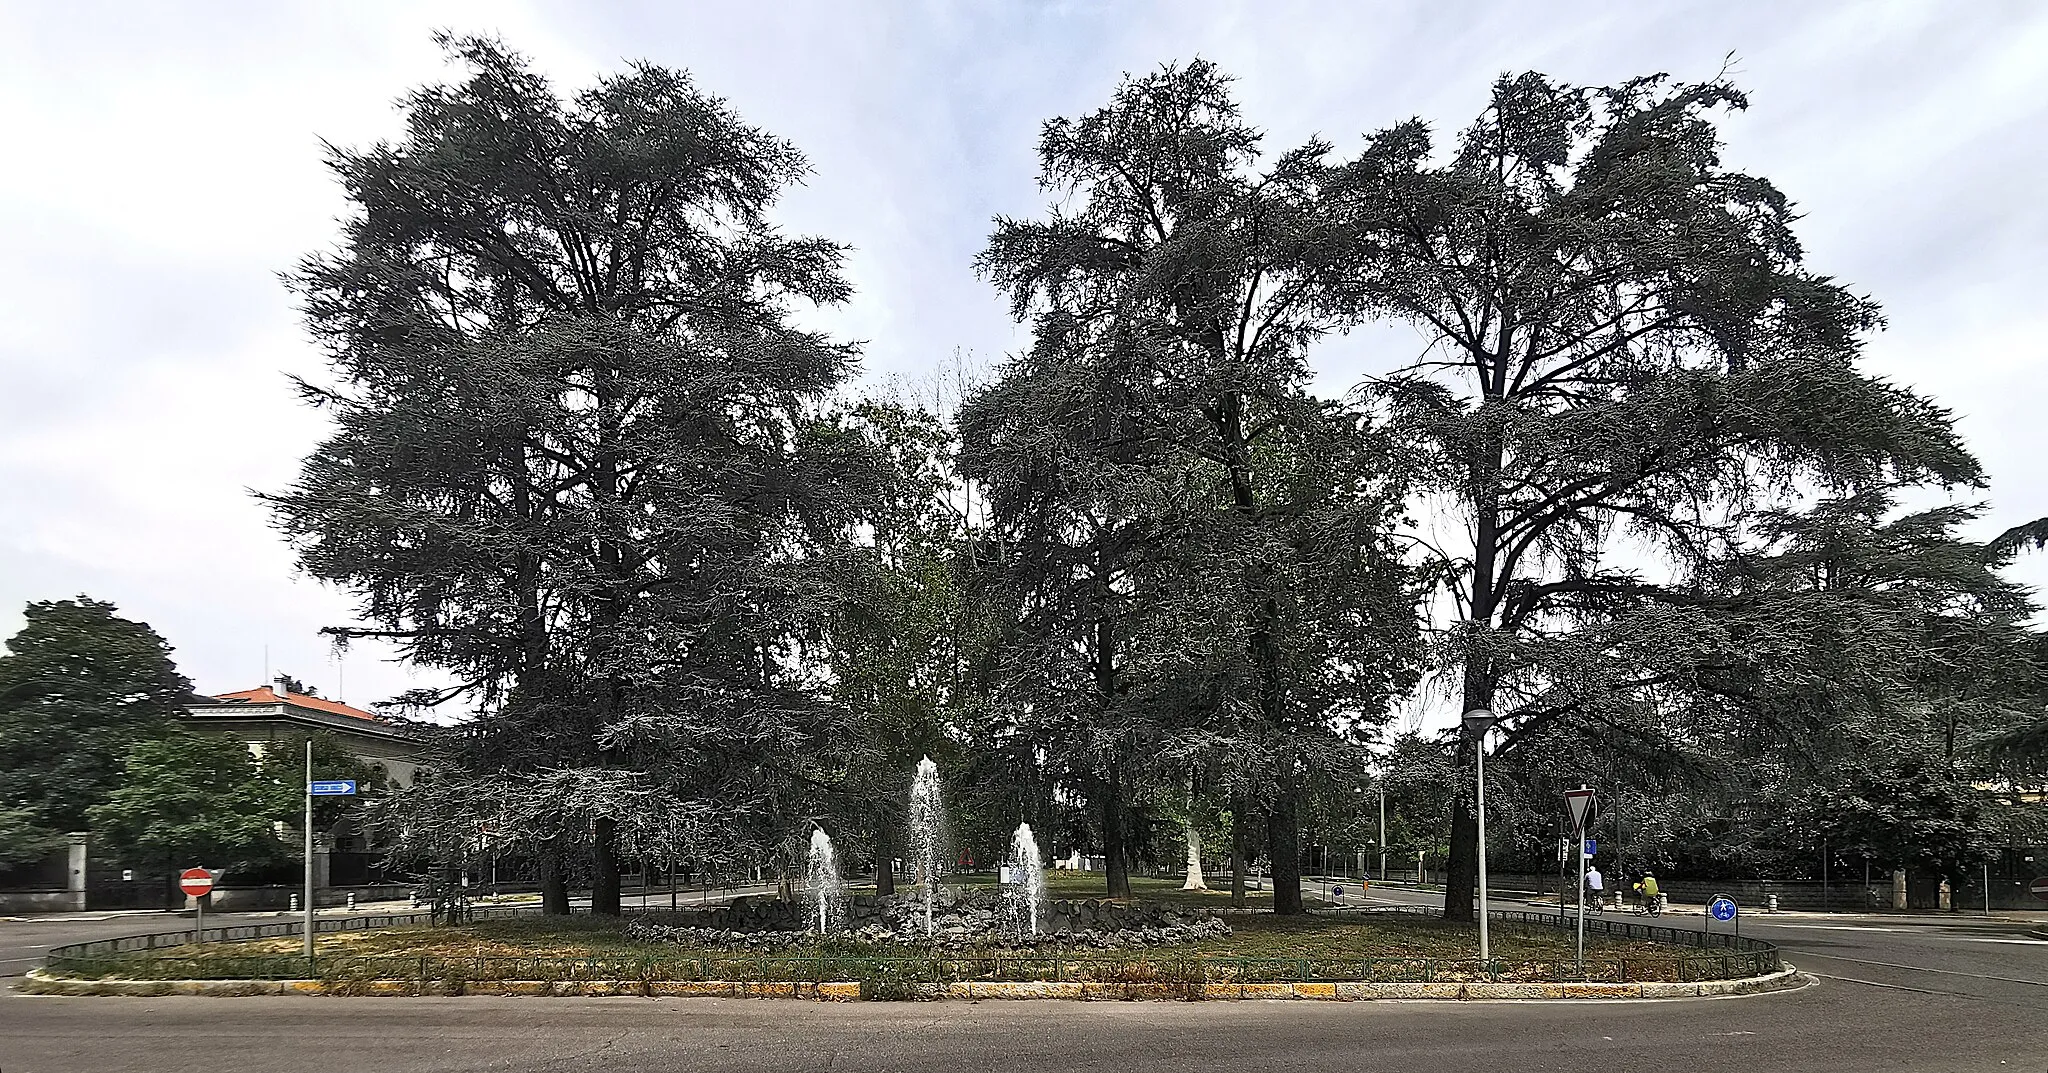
<point x="1722" y="908"/>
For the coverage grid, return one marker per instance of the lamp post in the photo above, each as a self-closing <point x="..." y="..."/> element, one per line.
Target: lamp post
<point x="1477" y="722"/>
<point x="1383" y="837"/>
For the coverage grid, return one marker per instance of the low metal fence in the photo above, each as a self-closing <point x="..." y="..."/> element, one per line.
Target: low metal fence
<point x="100" y="949"/>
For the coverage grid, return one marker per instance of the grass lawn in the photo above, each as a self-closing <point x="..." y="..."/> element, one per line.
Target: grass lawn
<point x="1330" y="935"/>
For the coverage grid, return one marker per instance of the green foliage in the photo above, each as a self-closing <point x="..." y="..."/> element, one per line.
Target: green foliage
<point x="1626" y="351"/>
<point x="1195" y="545"/>
<point x="199" y="799"/>
<point x="581" y="458"/>
<point x="23" y="840"/>
<point x="78" y="686"/>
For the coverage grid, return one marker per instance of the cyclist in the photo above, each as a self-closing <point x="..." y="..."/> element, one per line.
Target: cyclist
<point x="1594" y="886"/>
<point x="1648" y="889"/>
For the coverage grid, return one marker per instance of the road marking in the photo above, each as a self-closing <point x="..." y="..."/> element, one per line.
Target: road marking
<point x="1894" y="987"/>
<point x="1826" y="927"/>
<point x="1923" y="968"/>
<point x="1924" y="991"/>
<point x="2015" y="942"/>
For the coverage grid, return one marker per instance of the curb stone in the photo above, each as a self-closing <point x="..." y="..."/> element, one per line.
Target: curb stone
<point x="38" y="982"/>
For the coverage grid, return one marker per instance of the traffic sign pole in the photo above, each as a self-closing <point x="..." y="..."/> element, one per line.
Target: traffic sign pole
<point x="197" y="883"/>
<point x="1582" y="908"/>
<point x="309" y="849"/>
<point x="1579" y="803"/>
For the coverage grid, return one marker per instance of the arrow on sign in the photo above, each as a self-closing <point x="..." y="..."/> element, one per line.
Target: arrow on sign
<point x="336" y="788"/>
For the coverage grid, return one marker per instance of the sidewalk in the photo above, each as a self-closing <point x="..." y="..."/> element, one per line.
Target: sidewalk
<point x="1901" y="916"/>
<point x="187" y="914"/>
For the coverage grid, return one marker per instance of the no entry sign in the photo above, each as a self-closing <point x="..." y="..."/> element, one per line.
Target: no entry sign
<point x="2041" y="888"/>
<point x="196" y="882"/>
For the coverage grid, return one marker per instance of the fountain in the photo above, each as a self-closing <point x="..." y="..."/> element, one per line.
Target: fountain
<point x="926" y="820"/>
<point x="1026" y="896"/>
<point x="822" y="886"/>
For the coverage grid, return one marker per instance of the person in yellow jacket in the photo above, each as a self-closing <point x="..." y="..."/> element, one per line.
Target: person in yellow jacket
<point x="1646" y="888"/>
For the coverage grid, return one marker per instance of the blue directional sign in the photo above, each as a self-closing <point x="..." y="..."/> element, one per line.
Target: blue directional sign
<point x="1592" y="846"/>
<point x="1722" y="908"/>
<point x="336" y="788"/>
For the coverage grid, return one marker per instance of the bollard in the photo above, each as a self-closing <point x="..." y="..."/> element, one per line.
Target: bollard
<point x="351" y="901"/>
<point x="295" y="903"/>
<point x="1770" y="903"/>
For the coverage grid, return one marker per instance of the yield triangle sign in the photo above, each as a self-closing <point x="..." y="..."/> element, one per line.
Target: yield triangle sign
<point x="1580" y="801"/>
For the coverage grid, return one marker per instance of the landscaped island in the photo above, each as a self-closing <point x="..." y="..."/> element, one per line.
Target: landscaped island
<point x="594" y="954"/>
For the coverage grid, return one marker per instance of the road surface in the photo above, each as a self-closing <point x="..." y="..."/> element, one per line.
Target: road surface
<point x="1952" y="997"/>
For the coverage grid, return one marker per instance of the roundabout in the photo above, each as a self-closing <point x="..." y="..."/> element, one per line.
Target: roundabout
<point x="1896" y="996"/>
<point x="1171" y="948"/>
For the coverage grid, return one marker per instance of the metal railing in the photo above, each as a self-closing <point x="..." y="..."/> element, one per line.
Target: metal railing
<point x="98" y="949"/>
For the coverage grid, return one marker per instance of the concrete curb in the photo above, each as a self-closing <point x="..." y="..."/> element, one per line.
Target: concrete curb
<point x="39" y="982"/>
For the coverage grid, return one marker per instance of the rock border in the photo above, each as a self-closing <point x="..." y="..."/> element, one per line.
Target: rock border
<point x="39" y="982"/>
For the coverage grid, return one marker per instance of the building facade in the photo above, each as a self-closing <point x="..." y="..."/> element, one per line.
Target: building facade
<point x="263" y="716"/>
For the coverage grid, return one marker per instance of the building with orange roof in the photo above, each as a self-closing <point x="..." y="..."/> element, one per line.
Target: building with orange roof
<point x="267" y="714"/>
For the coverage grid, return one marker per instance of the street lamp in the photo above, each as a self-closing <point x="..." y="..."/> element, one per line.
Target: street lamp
<point x="1477" y="722"/>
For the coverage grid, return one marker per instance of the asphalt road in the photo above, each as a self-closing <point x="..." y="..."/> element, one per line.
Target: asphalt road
<point x="1950" y="996"/>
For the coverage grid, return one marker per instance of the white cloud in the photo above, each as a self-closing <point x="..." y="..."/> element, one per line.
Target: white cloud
<point x="164" y="166"/>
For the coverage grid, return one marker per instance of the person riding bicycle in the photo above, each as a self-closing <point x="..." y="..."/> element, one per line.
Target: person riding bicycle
<point x="1647" y="887"/>
<point x="1594" y="886"/>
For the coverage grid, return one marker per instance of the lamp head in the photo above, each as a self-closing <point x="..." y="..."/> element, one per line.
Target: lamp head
<point x="1478" y="721"/>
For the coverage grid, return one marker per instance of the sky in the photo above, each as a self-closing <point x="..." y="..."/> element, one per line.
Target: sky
<point x="161" y="165"/>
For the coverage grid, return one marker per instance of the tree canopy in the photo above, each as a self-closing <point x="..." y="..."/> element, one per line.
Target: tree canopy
<point x="79" y="685"/>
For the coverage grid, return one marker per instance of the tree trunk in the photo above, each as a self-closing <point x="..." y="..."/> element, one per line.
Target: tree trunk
<point x="1488" y="580"/>
<point x="1283" y="838"/>
<point x="1194" y="878"/>
<point x="885" y="854"/>
<point x="1238" y="829"/>
<point x="1461" y="872"/>
<point x="1115" y="860"/>
<point x="604" y="879"/>
<point x="554" y="884"/>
